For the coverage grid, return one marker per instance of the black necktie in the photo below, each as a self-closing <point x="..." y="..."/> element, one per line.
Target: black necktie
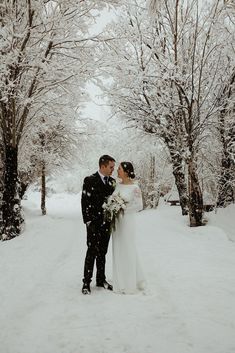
<point x="106" y="179"/>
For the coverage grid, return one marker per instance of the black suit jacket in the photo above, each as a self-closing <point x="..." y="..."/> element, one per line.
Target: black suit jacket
<point x="94" y="194"/>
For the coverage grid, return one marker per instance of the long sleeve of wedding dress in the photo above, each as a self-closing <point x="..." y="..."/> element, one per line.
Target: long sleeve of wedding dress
<point x="136" y="202"/>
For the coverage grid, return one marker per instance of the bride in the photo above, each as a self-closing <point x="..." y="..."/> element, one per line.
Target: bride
<point x="127" y="273"/>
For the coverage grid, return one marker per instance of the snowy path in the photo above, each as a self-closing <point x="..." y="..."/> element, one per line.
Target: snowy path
<point x="189" y="305"/>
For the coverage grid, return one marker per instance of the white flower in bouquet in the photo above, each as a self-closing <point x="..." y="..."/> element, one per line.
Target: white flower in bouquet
<point x="113" y="209"/>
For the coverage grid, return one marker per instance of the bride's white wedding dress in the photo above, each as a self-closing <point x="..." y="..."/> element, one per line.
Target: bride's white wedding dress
<point x="127" y="273"/>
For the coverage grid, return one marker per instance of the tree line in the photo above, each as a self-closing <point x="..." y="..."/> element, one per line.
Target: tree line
<point x="46" y="57"/>
<point x="172" y="70"/>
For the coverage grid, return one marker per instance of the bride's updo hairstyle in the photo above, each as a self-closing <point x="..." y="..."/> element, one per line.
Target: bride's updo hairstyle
<point x="129" y="169"/>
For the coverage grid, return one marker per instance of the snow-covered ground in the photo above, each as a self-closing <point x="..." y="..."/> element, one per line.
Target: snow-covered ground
<point x="188" y="306"/>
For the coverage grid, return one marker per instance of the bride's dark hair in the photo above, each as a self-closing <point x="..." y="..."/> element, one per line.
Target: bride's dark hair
<point x="128" y="168"/>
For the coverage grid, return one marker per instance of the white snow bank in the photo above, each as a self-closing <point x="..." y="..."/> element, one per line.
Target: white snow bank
<point x="224" y="218"/>
<point x="188" y="307"/>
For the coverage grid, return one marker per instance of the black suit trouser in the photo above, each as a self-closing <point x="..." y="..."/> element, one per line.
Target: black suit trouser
<point x="98" y="236"/>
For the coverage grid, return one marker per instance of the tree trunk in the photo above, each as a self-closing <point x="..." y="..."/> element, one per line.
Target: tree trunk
<point x="180" y="181"/>
<point x="1" y="183"/>
<point x="43" y="190"/>
<point x="153" y="193"/>
<point x="227" y="136"/>
<point x="226" y="191"/>
<point x="227" y="170"/>
<point x="11" y="207"/>
<point x="195" y="196"/>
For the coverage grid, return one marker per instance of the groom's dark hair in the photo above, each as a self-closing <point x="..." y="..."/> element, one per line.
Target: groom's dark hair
<point x="105" y="159"/>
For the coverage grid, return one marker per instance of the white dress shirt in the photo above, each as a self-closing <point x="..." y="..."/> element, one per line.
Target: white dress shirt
<point x="102" y="176"/>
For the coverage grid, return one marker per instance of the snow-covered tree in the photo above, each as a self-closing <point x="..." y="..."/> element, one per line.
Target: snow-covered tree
<point x="167" y="74"/>
<point x="226" y="119"/>
<point x="44" y="46"/>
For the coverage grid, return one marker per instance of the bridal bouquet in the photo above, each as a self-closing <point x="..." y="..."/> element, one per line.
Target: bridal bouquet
<point x="113" y="209"/>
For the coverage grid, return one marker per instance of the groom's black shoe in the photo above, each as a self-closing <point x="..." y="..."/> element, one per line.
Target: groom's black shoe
<point x="86" y="288"/>
<point x="105" y="285"/>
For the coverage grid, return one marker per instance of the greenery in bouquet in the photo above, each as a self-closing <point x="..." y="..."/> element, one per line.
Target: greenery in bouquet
<point x="113" y="209"/>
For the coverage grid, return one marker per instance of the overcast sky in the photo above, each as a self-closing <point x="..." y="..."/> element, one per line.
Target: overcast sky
<point x="95" y="109"/>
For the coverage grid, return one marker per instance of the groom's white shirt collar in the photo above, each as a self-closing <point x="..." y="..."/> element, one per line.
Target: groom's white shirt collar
<point x="102" y="176"/>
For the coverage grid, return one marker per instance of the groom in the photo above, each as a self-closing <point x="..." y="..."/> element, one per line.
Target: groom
<point x="96" y="188"/>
